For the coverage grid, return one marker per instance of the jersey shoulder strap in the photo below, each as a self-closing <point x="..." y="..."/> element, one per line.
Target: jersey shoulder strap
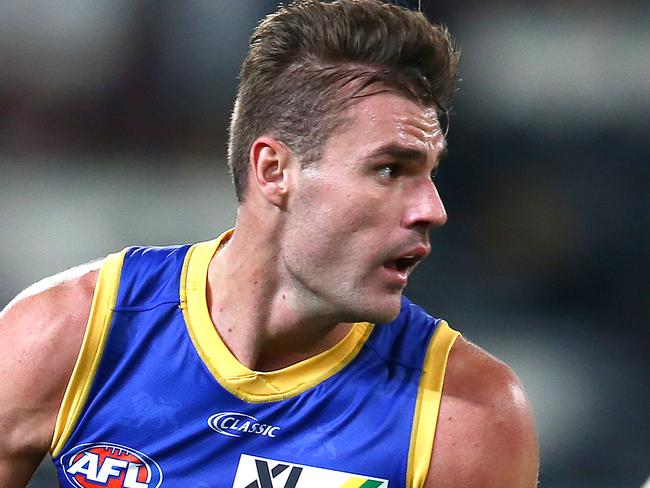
<point x="134" y="278"/>
<point x="418" y="341"/>
<point x="99" y="319"/>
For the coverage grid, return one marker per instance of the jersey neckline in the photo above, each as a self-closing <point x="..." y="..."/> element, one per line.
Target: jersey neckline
<point x="247" y="384"/>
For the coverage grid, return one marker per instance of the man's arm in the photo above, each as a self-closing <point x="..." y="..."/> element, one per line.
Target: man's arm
<point x="40" y="337"/>
<point x="485" y="436"/>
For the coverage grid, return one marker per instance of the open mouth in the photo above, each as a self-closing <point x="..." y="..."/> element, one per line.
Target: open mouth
<point x="402" y="264"/>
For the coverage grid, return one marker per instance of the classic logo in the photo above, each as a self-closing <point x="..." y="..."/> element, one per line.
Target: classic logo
<point x="111" y="466"/>
<point x="257" y="472"/>
<point x="234" y="424"/>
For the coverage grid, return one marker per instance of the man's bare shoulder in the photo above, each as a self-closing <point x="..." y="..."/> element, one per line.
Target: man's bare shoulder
<point x="41" y="331"/>
<point x="54" y="308"/>
<point x="485" y="436"/>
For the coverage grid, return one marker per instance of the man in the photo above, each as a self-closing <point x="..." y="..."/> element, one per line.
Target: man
<point x="252" y="360"/>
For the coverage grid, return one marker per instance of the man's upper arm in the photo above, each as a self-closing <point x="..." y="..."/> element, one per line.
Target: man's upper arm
<point x="40" y="336"/>
<point x="485" y="436"/>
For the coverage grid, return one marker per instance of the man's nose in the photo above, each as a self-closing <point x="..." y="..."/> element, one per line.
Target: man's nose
<point x="426" y="208"/>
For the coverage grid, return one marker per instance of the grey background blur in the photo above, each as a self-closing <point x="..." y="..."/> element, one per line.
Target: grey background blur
<point x="113" y="121"/>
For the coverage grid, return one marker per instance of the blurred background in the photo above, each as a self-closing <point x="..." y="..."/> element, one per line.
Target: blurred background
<point x="113" y="124"/>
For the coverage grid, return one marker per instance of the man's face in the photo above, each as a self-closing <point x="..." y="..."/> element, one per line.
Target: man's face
<point x="358" y="220"/>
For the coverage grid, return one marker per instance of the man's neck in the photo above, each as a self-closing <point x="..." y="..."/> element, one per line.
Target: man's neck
<point x="258" y="314"/>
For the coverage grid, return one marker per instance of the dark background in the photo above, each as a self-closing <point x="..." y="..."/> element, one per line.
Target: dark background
<point x="113" y="121"/>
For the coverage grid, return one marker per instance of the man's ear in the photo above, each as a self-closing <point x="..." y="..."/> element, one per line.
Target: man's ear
<point x="271" y="165"/>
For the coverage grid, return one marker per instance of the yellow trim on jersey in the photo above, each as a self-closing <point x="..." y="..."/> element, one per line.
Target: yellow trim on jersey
<point x="249" y="385"/>
<point x="92" y="347"/>
<point x="428" y="405"/>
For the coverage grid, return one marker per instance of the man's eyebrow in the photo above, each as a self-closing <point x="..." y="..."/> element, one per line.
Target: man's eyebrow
<point x="400" y="152"/>
<point x="396" y="151"/>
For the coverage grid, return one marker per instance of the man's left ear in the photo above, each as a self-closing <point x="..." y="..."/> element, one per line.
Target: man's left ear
<point x="271" y="166"/>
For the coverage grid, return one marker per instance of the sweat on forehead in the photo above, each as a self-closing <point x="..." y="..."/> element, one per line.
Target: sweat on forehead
<point x="428" y="115"/>
<point x="386" y="123"/>
<point x="425" y="126"/>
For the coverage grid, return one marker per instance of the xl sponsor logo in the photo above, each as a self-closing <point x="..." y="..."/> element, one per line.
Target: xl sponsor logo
<point x="234" y="424"/>
<point x="257" y="472"/>
<point x="111" y="466"/>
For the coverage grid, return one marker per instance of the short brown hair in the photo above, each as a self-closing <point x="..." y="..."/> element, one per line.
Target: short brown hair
<point x="301" y="59"/>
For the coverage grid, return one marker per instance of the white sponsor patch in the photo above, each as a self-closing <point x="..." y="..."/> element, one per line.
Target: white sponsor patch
<point x="257" y="472"/>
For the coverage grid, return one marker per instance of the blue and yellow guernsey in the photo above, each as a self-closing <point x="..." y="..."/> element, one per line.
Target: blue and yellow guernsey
<point x="156" y="399"/>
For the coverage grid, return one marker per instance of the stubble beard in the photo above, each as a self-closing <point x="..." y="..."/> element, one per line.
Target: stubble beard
<point x="363" y="306"/>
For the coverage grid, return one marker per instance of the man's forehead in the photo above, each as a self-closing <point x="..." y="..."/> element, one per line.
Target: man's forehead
<point x="392" y="114"/>
<point x="424" y="125"/>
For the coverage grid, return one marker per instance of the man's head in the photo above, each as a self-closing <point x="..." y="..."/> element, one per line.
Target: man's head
<point x="310" y="60"/>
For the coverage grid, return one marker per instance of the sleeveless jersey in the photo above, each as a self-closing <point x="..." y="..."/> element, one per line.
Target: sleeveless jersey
<point x="156" y="399"/>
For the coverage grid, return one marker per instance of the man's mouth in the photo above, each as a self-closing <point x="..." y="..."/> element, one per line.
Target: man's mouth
<point x="403" y="265"/>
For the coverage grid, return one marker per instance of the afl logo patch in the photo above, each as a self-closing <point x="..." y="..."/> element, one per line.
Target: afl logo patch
<point x="235" y="424"/>
<point x="111" y="466"/>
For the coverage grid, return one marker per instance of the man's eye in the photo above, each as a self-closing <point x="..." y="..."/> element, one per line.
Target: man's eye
<point x="387" y="171"/>
<point x="434" y="173"/>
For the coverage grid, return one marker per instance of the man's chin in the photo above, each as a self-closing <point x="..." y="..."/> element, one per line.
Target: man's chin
<point x="383" y="311"/>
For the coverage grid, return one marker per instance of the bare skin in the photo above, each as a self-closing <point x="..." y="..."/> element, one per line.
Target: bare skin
<point x="46" y="321"/>
<point x="293" y="287"/>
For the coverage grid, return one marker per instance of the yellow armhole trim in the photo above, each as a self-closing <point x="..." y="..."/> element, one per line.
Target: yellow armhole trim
<point x="428" y="405"/>
<point x="92" y="347"/>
